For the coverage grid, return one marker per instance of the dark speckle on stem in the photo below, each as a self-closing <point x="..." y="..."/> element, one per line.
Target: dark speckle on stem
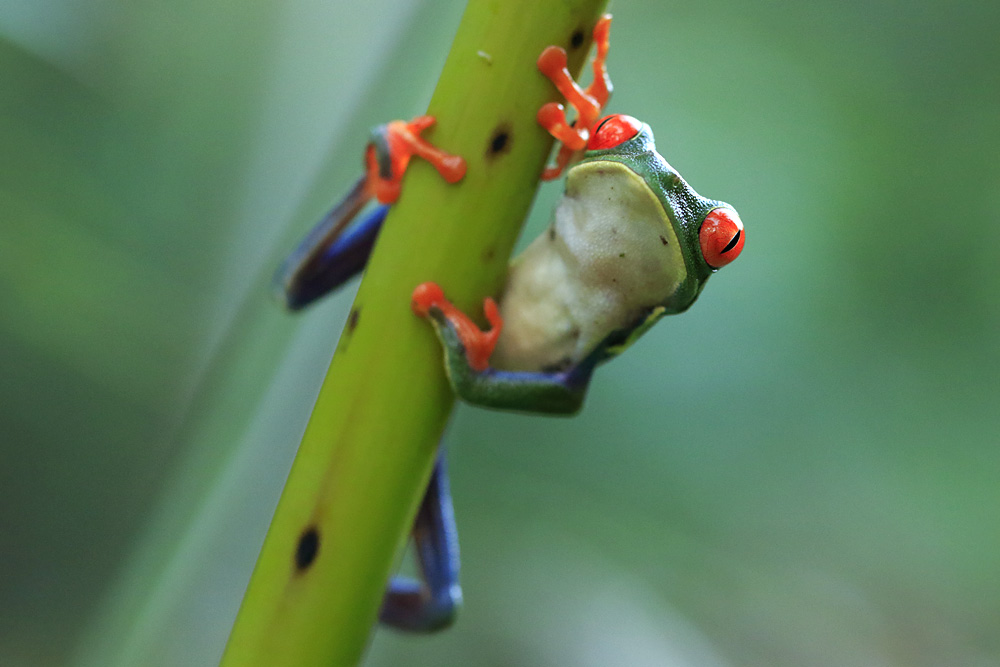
<point x="499" y="142"/>
<point x="489" y="253"/>
<point x="308" y="548"/>
<point x="663" y="240"/>
<point x="576" y="40"/>
<point x="352" y="319"/>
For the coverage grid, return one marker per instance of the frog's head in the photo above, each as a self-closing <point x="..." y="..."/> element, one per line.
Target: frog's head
<point x="710" y="232"/>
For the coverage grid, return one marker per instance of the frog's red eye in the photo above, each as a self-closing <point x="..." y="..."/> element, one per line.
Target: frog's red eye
<point x="721" y="237"/>
<point x="613" y="130"/>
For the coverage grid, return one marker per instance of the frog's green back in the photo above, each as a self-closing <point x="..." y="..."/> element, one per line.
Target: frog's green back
<point x="684" y="207"/>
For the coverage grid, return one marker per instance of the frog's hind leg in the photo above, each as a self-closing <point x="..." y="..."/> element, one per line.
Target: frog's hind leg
<point x="431" y="603"/>
<point x="332" y="253"/>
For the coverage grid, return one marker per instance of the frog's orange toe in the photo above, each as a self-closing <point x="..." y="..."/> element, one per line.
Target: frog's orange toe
<point x="452" y="168"/>
<point x="426" y="296"/>
<point x="552" y="61"/>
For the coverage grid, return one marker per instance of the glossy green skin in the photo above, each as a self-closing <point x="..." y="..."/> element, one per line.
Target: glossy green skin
<point x="685" y="208"/>
<point x="560" y="389"/>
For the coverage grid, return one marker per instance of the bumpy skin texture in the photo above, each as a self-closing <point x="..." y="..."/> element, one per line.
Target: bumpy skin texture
<point x="623" y="250"/>
<point x="609" y="256"/>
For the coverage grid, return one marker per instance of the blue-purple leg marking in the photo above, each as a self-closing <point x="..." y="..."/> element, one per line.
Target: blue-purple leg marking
<point x="331" y="254"/>
<point x="431" y="603"/>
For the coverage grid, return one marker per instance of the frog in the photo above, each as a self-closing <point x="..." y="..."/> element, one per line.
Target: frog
<point x="629" y="243"/>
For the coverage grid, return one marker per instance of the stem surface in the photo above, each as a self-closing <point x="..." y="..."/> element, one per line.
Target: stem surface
<point x="369" y="446"/>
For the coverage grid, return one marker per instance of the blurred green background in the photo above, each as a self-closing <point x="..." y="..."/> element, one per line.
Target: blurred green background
<point x="802" y="470"/>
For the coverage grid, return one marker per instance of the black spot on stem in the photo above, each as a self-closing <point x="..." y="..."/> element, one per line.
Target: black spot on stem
<point x="576" y="39"/>
<point x="352" y="319"/>
<point x="308" y="548"/>
<point x="499" y="141"/>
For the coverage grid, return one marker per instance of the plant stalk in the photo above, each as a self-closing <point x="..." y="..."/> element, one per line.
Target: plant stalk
<point x="370" y="444"/>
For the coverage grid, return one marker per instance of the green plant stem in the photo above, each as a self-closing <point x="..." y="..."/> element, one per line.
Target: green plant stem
<point x="368" y="449"/>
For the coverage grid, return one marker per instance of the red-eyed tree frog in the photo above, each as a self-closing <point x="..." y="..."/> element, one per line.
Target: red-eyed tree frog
<point x="630" y="241"/>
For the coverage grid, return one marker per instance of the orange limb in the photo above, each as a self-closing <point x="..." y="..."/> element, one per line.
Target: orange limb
<point x="563" y="158"/>
<point x="587" y="103"/>
<point x="478" y="344"/>
<point x="600" y="88"/>
<point x="404" y="141"/>
<point x="552" y="117"/>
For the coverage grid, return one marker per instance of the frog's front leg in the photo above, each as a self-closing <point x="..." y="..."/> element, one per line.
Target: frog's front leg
<point x="389" y="152"/>
<point x="587" y="103"/>
<point x="467" y="350"/>
<point x="431" y="603"/>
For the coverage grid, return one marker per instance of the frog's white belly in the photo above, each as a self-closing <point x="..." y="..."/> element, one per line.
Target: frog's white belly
<point x="610" y="254"/>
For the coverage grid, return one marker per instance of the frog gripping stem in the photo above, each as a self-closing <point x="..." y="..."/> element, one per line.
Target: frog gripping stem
<point x="467" y="351"/>
<point x="587" y="103"/>
<point x="337" y="248"/>
<point x="429" y="301"/>
<point x="389" y="152"/>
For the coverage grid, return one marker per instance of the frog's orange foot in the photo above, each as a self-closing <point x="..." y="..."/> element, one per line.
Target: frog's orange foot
<point x="428" y="300"/>
<point x="388" y="155"/>
<point x="587" y="103"/>
<point x="600" y="88"/>
<point x="552" y="117"/>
